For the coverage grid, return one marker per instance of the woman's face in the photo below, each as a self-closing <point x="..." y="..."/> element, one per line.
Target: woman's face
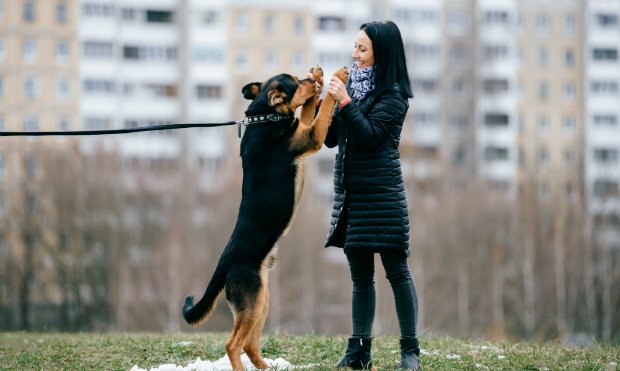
<point x="363" y="51"/>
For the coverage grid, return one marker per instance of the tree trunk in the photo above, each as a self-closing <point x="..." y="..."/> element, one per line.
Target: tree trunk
<point x="589" y="273"/>
<point x="560" y="277"/>
<point x="463" y="300"/>
<point x="498" y="303"/>
<point x="528" y="288"/>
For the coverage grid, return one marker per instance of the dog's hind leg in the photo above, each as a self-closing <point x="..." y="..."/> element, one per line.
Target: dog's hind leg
<point x="251" y="347"/>
<point x="246" y="296"/>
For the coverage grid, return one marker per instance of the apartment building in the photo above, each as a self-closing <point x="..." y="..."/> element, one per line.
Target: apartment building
<point x="38" y="91"/>
<point x="154" y="63"/>
<point x="601" y="111"/>
<point x="550" y="94"/>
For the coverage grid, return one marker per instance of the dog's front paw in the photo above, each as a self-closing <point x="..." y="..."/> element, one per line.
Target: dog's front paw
<point x="317" y="74"/>
<point x="342" y="74"/>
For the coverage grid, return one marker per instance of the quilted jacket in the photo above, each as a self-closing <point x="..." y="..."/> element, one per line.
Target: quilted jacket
<point x="370" y="205"/>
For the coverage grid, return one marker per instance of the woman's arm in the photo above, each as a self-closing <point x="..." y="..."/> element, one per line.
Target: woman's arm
<point x="371" y="130"/>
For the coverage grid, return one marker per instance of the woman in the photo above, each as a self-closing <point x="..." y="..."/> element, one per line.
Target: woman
<point x="370" y="208"/>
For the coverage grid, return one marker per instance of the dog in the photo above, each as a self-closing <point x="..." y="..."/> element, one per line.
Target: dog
<point x="273" y="157"/>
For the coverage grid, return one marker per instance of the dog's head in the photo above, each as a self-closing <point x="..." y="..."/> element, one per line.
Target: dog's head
<point x="280" y="94"/>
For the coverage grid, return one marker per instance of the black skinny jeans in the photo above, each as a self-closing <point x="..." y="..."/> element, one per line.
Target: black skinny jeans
<point x="362" y="266"/>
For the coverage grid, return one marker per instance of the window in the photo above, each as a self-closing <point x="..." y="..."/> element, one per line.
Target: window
<point x="604" y="87"/>
<point x="606" y="155"/>
<point x="569" y="92"/>
<point x="607" y="20"/>
<point x="270" y="24"/>
<point x="425" y="118"/>
<point x="98" y="10"/>
<point x="605" y="188"/>
<point x="61" y="13"/>
<point x="569" y="157"/>
<point x="543" y="125"/>
<point x="30" y="50"/>
<point x="159" y="90"/>
<point x="1" y="9"/>
<point x="98" y="87"/>
<point x="458" y="88"/>
<point x="543" y="91"/>
<point x="129" y="88"/>
<point x="458" y="123"/>
<point x="97" y="123"/>
<point x="457" y="55"/>
<point x="569" y="125"/>
<point x="495" y="154"/>
<point x="31" y="124"/>
<point x="63" y="124"/>
<point x="543" y="157"/>
<point x="30" y="88"/>
<point x="425" y="52"/>
<point x="605" y="54"/>
<point x="544" y="191"/>
<point x="209" y="55"/>
<point x="2" y="166"/>
<point x="242" y="59"/>
<point x="1" y="123"/>
<point x="242" y="22"/>
<point x="569" y="25"/>
<point x="330" y="59"/>
<point x="495" y="86"/>
<point x="609" y="121"/>
<point x="209" y="18"/>
<point x="495" y="52"/>
<point x="457" y="22"/>
<point x="542" y="25"/>
<point x="331" y="23"/>
<point x="543" y="57"/>
<point x="520" y="56"/>
<point x="569" y="58"/>
<point x="570" y="192"/>
<point x="208" y="92"/>
<point x="150" y="53"/>
<point x="2" y="241"/>
<point x="1" y="47"/>
<point x="425" y="86"/>
<point x="270" y="60"/>
<point x="157" y="16"/>
<point x="93" y="49"/>
<point x="62" y="51"/>
<point x="458" y="156"/>
<point x="496" y="120"/>
<point x="496" y="18"/>
<point x="298" y="26"/>
<point x="29" y="11"/>
<point x="1" y="86"/>
<point x="128" y="14"/>
<point x="62" y="89"/>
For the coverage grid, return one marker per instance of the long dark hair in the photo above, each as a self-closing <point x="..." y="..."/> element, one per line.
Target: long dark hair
<point x="389" y="53"/>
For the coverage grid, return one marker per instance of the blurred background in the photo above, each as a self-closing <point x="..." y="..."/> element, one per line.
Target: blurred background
<point x="509" y="153"/>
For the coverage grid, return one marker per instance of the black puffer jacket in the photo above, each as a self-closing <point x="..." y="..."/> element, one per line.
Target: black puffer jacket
<point x="370" y="206"/>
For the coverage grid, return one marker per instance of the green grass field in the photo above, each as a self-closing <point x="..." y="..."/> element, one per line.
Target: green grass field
<point x="47" y="351"/>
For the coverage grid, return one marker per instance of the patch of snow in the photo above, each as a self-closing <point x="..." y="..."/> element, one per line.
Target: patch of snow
<point x="501" y="357"/>
<point x="453" y="356"/>
<point x="432" y="353"/>
<point x="40" y="340"/>
<point x="223" y="364"/>
<point x="26" y="341"/>
<point x="185" y="343"/>
<point x="613" y="364"/>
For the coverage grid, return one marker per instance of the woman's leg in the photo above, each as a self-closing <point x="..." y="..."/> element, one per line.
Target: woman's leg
<point x="362" y="267"/>
<point x="405" y="295"/>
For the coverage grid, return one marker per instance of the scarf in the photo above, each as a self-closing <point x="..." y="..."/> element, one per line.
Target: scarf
<point x="361" y="81"/>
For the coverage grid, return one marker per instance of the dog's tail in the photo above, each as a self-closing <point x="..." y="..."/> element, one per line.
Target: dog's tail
<point x="199" y="313"/>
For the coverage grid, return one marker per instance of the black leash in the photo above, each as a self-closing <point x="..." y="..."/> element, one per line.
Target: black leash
<point x="251" y="120"/>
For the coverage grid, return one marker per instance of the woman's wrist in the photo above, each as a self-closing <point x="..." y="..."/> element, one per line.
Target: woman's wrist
<point x="344" y="103"/>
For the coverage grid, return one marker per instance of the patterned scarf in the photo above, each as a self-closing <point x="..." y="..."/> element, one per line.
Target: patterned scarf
<point x="361" y="81"/>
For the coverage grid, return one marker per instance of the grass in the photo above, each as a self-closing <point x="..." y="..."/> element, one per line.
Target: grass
<point x="46" y="351"/>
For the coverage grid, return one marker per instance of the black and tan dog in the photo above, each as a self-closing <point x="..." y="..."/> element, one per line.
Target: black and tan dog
<point x="273" y="156"/>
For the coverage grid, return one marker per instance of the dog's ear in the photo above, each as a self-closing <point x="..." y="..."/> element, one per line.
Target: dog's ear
<point x="275" y="97"/>
<point x="251" y="90"/>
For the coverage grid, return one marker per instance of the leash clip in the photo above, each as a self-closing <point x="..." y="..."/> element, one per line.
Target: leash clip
<point x="239" y="126"/>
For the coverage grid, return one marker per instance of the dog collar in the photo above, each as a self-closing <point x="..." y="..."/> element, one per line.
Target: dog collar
<point x="258" y="119"/>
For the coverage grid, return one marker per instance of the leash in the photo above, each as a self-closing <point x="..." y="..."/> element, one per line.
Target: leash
<point x="251" y="120"/>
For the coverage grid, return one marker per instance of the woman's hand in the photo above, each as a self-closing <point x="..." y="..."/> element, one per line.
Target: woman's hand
<point x="337" y="90"/>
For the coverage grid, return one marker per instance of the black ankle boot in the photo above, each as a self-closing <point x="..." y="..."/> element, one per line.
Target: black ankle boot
<point x="409" y="355"/>
<point x="357" y="355"/>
